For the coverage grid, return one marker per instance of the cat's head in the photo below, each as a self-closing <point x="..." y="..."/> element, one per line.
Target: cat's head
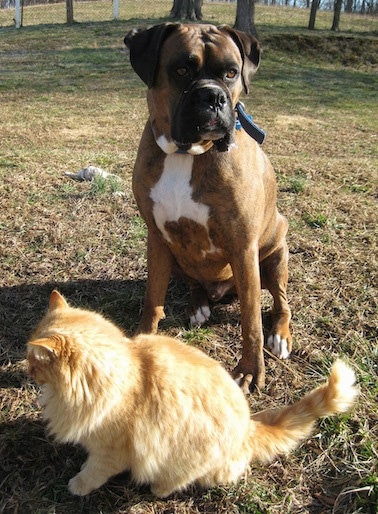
<point x="49" y="351"/>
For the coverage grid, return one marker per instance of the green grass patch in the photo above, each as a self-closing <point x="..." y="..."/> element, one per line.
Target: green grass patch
<point x="315" y="220"/>
<point x="100" y="185"/>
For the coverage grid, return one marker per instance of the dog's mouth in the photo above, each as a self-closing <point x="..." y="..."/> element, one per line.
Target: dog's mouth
<point x="204" y="113"/>
<point x="211" y="131"/>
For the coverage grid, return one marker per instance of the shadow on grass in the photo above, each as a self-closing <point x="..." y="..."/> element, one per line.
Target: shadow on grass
<point x="35" y="472"/>
<point x="293" y="63"/>
<point x="22" y="307"/>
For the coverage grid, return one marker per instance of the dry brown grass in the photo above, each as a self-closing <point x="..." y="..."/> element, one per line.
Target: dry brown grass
<point x="69" y="99"/>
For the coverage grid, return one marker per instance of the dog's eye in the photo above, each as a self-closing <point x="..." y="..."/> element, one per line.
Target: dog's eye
<point x="182" y="72"/>
<point x="231" y="73"/>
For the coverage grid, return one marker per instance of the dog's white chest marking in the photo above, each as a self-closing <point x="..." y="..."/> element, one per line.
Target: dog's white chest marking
<point x="172" y="195"/>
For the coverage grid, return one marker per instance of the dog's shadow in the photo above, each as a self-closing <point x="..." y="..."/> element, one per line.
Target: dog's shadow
<point x="22" y="306"/>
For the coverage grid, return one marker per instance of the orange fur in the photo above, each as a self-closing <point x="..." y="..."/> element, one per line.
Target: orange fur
<point x="158" y="407"/>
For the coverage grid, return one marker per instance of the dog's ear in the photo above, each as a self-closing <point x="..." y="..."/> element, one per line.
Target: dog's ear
<point x="144" y="46"/>
<point x="250" y="51"/>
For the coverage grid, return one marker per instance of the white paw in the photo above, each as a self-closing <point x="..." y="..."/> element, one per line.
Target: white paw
<point x="278" y="346"/>
<point x="78" y="486"/>
<point x="200" y="316"/>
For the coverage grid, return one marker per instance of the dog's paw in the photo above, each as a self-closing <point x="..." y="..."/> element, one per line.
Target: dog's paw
<point x="278" y="346"/>
<point x="78" y="486"/>
<point x="244" y="382"/>
<point x="200" y="316"/>
<point x="249" y="375"/>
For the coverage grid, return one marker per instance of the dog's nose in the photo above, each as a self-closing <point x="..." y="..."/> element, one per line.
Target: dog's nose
<point x="215" y="98"/>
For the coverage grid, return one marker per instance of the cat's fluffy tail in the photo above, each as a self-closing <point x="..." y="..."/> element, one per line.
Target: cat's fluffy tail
<point x="280" y="430"/>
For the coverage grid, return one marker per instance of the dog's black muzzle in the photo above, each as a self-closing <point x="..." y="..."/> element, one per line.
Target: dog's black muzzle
<point x="204" y="113"/>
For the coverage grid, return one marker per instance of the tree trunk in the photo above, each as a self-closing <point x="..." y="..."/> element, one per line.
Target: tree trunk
<point x="198" y="9"/>
<point x="178" y="9"/>
<point x="245" y="16"/>
<point x="314" y="8"/>
<point x="69" y="11"/>
<point x="336" y="15"/>
<point x="187" y="10"/>
<point x="349" y="6"/>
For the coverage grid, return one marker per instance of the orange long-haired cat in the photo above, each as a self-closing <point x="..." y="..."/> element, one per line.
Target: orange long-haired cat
<point x="157" y="407"/>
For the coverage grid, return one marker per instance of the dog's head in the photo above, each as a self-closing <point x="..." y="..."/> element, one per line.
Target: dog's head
<point x="195" y="75"/>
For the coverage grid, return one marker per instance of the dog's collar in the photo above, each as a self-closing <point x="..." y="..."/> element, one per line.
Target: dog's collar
<point x="245" y="121"/>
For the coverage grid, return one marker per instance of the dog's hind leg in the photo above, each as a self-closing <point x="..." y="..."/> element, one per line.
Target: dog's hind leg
<point x="274" y="274"/>
<point x="198" y="309"/>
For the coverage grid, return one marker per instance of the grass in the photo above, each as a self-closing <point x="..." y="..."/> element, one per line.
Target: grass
<point x="70" y="99"/>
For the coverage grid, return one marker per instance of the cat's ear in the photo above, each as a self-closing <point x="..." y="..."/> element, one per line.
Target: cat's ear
<point x="57" y="301"/>
<point x="46" y="348"/>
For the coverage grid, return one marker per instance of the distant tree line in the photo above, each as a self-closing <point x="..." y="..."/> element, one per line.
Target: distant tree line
<point x="192" y="9"/>
<point x="245" y="10"/>
<point x="355" y="6"/>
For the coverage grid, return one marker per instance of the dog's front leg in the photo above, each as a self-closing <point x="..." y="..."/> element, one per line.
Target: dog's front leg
<point x="159" y="264"/>
<point x="250" y="370"/>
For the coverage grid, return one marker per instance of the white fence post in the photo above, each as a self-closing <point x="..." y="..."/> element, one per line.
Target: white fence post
<point x="17" y="15"/>
<point x="115" y="9"/>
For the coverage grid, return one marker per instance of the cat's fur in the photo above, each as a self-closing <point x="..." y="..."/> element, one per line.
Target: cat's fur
<point x="158" y="407"/>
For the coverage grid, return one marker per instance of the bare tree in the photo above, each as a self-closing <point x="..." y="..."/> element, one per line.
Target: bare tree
<point x="69" y="11"/>
<point x="349" y="6"/>
<point x="336" y="15"/>
<point x="314" y="7"/>
<point x="245" y="16"/>
<point x="187" y="10"/>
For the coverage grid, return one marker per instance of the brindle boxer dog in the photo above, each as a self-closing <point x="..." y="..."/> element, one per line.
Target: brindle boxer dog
<point x="207" y="191"/>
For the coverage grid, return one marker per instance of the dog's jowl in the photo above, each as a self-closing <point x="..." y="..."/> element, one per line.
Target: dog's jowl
<point x="206" y="190"/>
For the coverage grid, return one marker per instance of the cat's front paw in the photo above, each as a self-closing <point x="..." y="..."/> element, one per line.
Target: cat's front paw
<point x="162" y="491"/>
<point x="77" y="485"/>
